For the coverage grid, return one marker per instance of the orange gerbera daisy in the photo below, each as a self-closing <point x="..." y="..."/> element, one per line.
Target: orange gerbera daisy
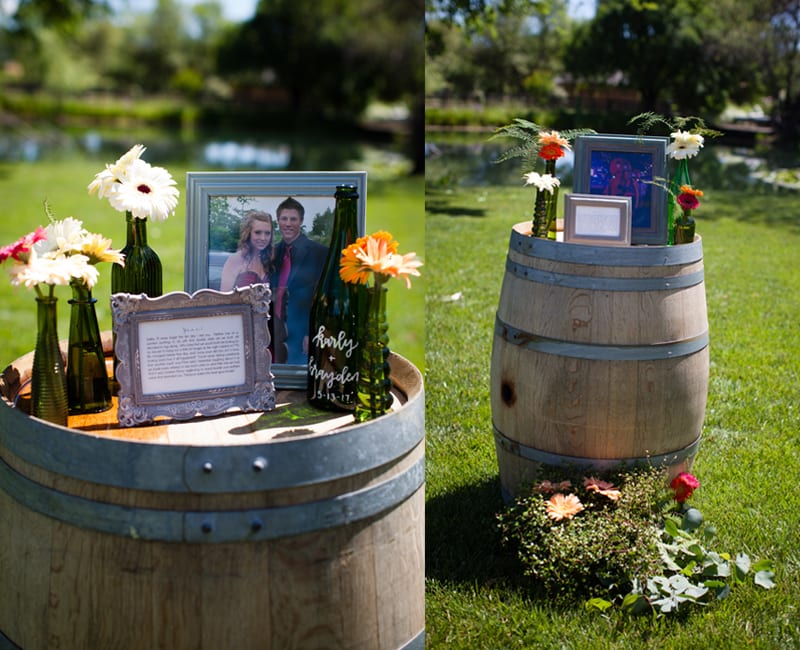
<point x="376" y="253"/>
<point x="552" y="144"/>
<point x="605" y="488"/>
<point x="688" y="189"/>
<point x="561" y="507"/>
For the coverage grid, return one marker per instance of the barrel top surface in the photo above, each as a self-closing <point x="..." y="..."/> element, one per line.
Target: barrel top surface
<point x="640" y="255"/>
<point x="301" y="444"/>
<point x="292" y="417"/>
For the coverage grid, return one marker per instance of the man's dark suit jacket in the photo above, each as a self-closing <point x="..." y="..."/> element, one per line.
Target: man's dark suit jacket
<point x="308" y="259"/>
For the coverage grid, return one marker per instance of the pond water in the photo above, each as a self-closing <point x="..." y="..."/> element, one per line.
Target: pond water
<point x="263" y="151"/>
<point x="471" y="160"/>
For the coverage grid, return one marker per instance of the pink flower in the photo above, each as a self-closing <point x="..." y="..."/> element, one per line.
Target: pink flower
<point x="684" y="484"/>
<point x="605" y="488"/>
<point x="22" y="245"/>
<point x="548" y="487"/>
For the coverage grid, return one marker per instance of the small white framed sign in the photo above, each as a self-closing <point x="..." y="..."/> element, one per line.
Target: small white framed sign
<point x="597" y="220"/>
<point x="183" y="355"/>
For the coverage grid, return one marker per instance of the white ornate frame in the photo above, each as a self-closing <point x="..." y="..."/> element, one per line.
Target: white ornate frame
<point x="177" y="310"/>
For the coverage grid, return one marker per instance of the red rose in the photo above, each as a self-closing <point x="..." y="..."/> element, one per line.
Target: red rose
<point x="684" y="484"/>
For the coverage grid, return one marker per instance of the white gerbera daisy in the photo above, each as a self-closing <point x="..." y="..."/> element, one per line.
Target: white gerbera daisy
<point x="59" y="270"/>
<point x="105" y="180"/>
<point x="63" y="235"/>
<point x="145" y="191"/>
<point x="684" y="145"/>
<point x="542" y="181"/>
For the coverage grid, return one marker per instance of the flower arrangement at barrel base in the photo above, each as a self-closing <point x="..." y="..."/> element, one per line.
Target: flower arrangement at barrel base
<point x="374" y="257"/>
<point x="142" y="192"/>
<point x="64" y="253"/>
<point x="623" y="540"/>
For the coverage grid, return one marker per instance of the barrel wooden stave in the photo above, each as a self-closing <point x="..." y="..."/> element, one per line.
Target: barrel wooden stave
<point x="571" y="377"/>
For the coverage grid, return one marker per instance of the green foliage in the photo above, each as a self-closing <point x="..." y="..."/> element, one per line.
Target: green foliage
<point x="692" y="574"/>
<point x="648" y="121"/>
<point x="607" y="546"/>
<point x="527" y="133"/>
<point x="375" y="47"/>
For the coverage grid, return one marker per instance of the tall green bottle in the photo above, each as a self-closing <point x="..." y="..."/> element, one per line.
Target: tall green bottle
<point x="333" y="327"/>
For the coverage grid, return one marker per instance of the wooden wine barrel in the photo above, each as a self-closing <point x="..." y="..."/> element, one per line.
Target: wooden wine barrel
<point x="599" y="356"/>
<point x="288" y="529"/>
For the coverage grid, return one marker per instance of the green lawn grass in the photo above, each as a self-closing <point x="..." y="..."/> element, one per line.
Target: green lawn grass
<point x="749" y="458"/>
<point x="395" y="205"/>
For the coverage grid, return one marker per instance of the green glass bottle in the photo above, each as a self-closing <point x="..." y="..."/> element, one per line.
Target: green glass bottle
<point x="48" y="379"/>
<point x="684" y="229"/>
<point x="333" y="326"/>
<point x="142" y="271"/>
<point x="680" y="178"/>
<point x="88" y="389"/>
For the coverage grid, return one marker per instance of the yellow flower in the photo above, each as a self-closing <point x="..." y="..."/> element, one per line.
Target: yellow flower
<point x="563" y="507"/>
<point x="98" y="249"/>
<point x="376" y="253"/>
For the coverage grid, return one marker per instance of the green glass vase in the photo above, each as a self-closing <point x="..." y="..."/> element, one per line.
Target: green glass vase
<point x="680" y="178"/>
<point x="545" y="210"/>
<point x="142" y="272"/>
<point x="374" y="383"/>
<point x="48" y="379"/>
<point x="684" y="229"/>
<point x="88" y="389"/>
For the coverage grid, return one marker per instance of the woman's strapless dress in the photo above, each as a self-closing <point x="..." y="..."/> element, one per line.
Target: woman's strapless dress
<point x="247" y="278"/>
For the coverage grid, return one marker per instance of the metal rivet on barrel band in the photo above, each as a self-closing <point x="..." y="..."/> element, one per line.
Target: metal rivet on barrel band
<point x="208" y="467"/>
<point x="260" y="464"/>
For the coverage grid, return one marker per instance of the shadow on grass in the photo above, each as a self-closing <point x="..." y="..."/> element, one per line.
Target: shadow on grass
<point x="442" y="207"/>
<point x="462" y="540"/>
<point x="439" y="201"/>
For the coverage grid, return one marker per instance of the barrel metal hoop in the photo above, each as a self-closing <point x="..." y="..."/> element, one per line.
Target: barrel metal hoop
<point x="571" y="281"/>
<point x="212" y="469"/>
<point x="417" y="643"/>
<point x="213" y="527"/>
<point x="6" y="643"/>
<point x="515" y="448"/>
<point x="606" y="255"/>
<point x="596" y="351"/>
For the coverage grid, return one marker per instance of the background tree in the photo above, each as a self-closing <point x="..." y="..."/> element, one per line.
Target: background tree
<point x="675" y="53"/>
<point x="513" y="48"/>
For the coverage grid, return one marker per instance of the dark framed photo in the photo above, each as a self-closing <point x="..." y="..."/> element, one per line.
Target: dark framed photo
<point x="245" y="228"/>
<point x="627" y="165"/>
<point x="597" y="220"/>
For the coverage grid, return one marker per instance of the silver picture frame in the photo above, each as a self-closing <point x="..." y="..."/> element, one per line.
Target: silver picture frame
<point x="208" y="194"/>
<point x="627" y="165"/>
<point x="182" y="355"/>
<point x="597" y="220"/>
